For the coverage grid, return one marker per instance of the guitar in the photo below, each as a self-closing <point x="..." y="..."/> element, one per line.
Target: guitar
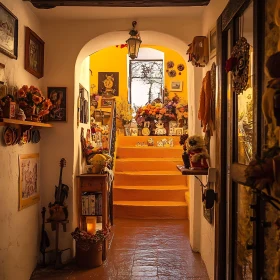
<point x="58" y="210"/>
<point x="61" y="191"/>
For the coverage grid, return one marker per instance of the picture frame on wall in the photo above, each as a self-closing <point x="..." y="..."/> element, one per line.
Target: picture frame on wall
<point x="9" y="32"/>
<point x="107" y="102"/>
<point x="58" y="110"/>
<point x="212" y="42"/>
<point x="34" y="53"/>
<point x="176" y="86"/>
<point x="178" y="130"/>
<point x="28" y="180"/>
<point x="108" y="84"/>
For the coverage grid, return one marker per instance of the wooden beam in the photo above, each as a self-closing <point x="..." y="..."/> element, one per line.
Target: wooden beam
<point x="45" y="4"/>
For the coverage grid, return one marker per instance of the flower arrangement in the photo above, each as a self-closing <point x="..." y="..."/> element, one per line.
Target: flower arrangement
<point x="85" y="240"/>
<point x="124" y="110"/>
<point x="182" y="111"/>
<point x="32" y="98"/>
<point x="157" y="111"/>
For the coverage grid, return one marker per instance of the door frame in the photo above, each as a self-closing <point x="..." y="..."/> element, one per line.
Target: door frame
<point x="233" y="9"/>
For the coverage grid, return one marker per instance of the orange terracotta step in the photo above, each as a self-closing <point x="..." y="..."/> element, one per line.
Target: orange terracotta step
<point x="124" y="141"/>
<point x="150" y="210"/>
<point x="148" y="178"/>
<point x="150" y="193"/>
<point x="149" y="152"/>
<point x="141" y="164"/>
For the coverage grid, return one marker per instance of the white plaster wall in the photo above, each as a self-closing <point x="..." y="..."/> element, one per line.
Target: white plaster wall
<point x="207" y="232"/>
<point x="19" y="233"/>
<point x="67" y="45"/>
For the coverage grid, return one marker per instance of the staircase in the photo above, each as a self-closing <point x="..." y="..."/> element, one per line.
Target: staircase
<point x="147" y="183"/>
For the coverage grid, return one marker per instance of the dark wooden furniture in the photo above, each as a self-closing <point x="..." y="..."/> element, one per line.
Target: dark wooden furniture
<point x="94" y="183"/>
<point x="187" y="171"/>
<point x="47" y="4"/>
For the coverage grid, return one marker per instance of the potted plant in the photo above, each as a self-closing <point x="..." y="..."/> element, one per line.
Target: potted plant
<point x="33" y="103"/>
<point x="89" y="247"/>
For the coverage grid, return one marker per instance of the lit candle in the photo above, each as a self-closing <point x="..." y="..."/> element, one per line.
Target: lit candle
<point x="91" y="224"/>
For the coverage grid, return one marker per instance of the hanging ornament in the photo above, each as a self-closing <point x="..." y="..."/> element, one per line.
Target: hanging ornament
<point x="170" y="64"/>
<point x="180" y="67"/>
<point x="238" y="64"/>
<point x="172" y="73"/>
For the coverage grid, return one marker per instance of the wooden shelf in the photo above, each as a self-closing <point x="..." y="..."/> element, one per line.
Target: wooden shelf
<point x="19" y="122"/>
<point x="92" y="175"/>
<point x="187" y="171"/>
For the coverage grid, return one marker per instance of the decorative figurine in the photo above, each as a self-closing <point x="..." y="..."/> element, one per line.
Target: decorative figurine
<point x="160" y="130"/>
<point x="146" y="130"/>
<point x="197" y="152"/>
<point x="150" y="141"/>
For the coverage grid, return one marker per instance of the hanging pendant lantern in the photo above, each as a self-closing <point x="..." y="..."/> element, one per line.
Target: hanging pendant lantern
<point x="134" y="42"/>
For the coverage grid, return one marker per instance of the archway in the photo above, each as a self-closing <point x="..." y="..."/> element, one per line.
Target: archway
<point x="193" y="83"/>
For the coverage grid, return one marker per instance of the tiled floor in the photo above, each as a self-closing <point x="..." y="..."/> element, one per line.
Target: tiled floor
<point x="141" y="249"/>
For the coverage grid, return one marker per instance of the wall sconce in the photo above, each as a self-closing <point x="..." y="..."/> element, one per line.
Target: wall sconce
<point x="91" y="225"/>
<point x="134" y="42"/>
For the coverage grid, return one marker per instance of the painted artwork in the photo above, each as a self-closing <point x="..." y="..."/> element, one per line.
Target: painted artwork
<point x="28" y="180"/>
<point x="108" y="84"/>
<point x="8" y="32"/>
<point x="57" y="95"/>
<point x="34" y="53"/>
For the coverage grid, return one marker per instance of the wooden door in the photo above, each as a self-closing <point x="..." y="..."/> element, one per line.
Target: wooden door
<point x="239" y="236"/>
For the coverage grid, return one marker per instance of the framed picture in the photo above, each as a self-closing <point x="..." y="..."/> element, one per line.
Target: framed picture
<point x="108" y="84"/>
<point x="178" y="130"/>
<point x="176" y="86"/>
<point x="213" y="42"/>
<point x="28" y="180"/>
<point x="34" y="53"/>
<point x="172" y="126"/>
<point x="133" y="131"/>
<point x="107" y="102"/>
<point x="8" y="32"/>
<point x="57" y="95"/>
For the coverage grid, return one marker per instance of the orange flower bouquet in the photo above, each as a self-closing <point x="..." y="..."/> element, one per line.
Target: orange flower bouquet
<point x="32" y="102"/>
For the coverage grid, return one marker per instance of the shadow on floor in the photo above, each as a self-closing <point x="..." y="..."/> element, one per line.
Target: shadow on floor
<point x="140" y="249"/>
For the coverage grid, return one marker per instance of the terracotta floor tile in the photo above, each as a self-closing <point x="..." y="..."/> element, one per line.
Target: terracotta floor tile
<point x="140" y="250"/>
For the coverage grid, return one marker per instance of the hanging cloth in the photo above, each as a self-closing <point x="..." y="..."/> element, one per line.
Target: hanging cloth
<point x="204" y="112"/>
<point x="198" y="51"/>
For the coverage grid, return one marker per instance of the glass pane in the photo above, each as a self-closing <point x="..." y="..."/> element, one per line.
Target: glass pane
<point x="146" y="81"/>
<point x="245" y="100"/>
<point x="244" y="231"/>
<point x="272" y="39"/>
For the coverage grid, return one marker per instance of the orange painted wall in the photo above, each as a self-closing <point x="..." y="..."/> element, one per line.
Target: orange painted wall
<point x="114" y="59"/>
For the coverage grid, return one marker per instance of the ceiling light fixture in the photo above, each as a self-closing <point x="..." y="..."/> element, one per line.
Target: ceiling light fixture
<point x="134" y="42"/>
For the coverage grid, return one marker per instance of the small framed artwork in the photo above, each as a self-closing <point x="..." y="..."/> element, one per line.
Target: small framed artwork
<point x="28" y="180"/>
<point x="172" y="126"/>
<point x="178" y="130"/>
<point x="213" y="42"/>
<point x="133" y="131"/>
<point x="107" y="102"/>
<point x="57" y="95"/>
<point x="108" y="84"/>
<point x="34" y="53"/>
<point x="9" y="32"/>
<point x="176" y="86"/>
<point x="127" y="131"/>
